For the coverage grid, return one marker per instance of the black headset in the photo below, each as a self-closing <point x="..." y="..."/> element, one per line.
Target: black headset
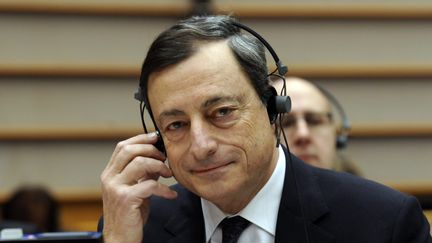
<point x="342" y="137"/>
<point x="277" y="104"/>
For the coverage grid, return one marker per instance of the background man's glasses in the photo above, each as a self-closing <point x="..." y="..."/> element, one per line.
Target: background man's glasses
<point x="312" y="119"/>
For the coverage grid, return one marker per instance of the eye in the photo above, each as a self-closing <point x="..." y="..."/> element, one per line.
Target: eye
<point x="316" y="119"/>
<point x="225" y="116"/>
<point x="176" y="125"/>
<point x="222" y="112"/>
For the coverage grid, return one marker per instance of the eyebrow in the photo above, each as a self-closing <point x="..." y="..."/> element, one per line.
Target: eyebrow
<point x="173" y="112"/>
<point x="218" y="99"/>
<point x="206" y="104"/>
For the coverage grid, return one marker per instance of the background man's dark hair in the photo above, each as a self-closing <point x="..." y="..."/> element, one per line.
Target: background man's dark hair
<point x="35" y="205"/>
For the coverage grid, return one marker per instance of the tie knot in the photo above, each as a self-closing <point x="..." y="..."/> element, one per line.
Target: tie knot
<point x="232" y="228"/>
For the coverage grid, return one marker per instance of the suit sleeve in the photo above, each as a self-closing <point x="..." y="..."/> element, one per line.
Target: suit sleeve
<point x="411" y="225"/>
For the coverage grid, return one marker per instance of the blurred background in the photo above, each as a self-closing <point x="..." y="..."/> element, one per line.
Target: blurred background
<point x="69" y="68"/>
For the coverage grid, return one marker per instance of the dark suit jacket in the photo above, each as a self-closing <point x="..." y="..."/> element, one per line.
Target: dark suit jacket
<point x="336" y="207"/>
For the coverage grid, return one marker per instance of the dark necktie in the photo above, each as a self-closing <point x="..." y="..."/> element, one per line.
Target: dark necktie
<point x="232" y="228"/>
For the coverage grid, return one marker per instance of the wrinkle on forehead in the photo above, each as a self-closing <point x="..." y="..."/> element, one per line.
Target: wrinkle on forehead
<point x="212" y="71"/>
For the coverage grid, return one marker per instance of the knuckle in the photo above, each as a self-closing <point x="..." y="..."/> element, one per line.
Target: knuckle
<point x="107" y="184"/>
<point x="105" y="177"/>
<point x="137" y="163"/>
<point x="115" y="191"/>
<point x="144" y="162"/>
<point x="121" y="192"/>
<point x="140" y="160"/>
<point x="121" y="145"/>
<point x="124" y="151"/>
<point x="127" y="148"/>
<point x="152" y="185"/>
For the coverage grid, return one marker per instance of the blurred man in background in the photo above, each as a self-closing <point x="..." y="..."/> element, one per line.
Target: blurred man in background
<point x="313" y="134"/>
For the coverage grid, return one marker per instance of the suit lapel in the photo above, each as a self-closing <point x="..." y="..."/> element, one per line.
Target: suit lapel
<point x="187" y="225"/>
<point x="188" y="231"/>
<point x="300" y="187"/>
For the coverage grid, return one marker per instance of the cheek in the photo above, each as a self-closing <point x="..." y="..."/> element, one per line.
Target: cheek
<point x="180" y="174"/>
<point x="181" y="162"/>
<point x="250" y="136"/>
<point x="175" y="158"/>
<point x="327" y="145"/>
<point x="257" y="138"/>
<point x="248" y="132"/>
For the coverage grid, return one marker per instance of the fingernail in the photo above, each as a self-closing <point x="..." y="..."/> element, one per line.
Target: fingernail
<point x="152" y="134"/>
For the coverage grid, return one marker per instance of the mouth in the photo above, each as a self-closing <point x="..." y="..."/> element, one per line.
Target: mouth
<point x="213" y="169"/>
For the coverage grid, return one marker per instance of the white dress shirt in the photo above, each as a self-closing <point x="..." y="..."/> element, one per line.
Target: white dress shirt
<point x="262" y="211"/>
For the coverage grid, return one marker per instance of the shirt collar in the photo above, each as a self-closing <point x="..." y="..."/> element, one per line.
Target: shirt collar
<point x="262" y="210"/>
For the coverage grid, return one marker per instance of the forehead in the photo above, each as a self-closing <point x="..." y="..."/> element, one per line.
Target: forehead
<point x="306" y="97"/>
<point x="211" y="71"/>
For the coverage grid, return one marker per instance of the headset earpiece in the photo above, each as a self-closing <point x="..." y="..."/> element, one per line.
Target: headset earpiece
<point x="342" y="137"/>
<point x="277" y="104"/>
<point x="138" y="95"/>
<point x="341" y="141"/>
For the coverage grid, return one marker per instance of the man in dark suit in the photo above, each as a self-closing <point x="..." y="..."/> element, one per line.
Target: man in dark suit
<point x="205" y="85"/>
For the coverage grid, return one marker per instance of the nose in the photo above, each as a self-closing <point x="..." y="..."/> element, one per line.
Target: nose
<point x="203" y="143"/>
<point x="302" y="128"/>
<point x="302" y="133"/>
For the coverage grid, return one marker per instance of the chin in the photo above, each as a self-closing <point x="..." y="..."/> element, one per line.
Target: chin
<point x="219" y="190"/>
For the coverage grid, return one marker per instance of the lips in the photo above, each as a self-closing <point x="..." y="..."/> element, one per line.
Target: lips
<point x="212" y="169"/>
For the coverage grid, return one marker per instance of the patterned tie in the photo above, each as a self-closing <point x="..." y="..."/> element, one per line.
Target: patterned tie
<point x="232" y="228"/>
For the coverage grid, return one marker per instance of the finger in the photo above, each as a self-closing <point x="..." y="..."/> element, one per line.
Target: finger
<point x="148" y="188"/>
<point x="143" y="168"/>
<point x="131" y="151"/>
<point x="148" y="138"/>
<point x="119" y="162"/>
<point x="125" y="152"/>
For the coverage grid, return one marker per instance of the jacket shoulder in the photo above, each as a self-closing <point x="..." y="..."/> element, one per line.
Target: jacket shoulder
<point x="365" y="208"/>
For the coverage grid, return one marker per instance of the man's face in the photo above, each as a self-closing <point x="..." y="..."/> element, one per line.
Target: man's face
<point x="217" y="134"/>
<point x="311" y="133"/>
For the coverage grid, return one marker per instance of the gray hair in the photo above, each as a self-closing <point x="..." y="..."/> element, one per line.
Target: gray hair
<point x="180" y="42"/>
